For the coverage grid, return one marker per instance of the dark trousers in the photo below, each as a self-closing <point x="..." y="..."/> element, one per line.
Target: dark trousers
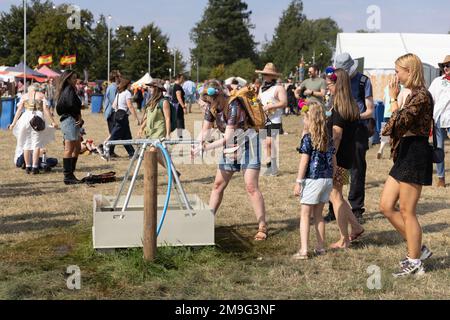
<point x="121" y="130"/>
<point x="110" y="122"/>
<point x="357" y="193"/>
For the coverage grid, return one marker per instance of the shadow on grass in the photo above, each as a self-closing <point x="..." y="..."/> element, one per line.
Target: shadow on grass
<point x="437" y="263"/>
<point x="36" y="226"/>
<point x="32" y="215"/>
<point x="26" y="191"/>
<point x="388" y="238"/>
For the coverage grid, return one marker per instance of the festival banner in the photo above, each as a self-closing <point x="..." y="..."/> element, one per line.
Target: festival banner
<point x="68" y="60"/>
<point x="45" y="60"/>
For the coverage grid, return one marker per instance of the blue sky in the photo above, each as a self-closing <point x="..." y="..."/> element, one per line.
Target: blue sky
<point x="177" y="17"/>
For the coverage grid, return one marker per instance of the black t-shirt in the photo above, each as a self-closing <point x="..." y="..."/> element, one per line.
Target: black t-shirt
<point x="177" y="87"/>
<point x="69" y="104"/>
<point x="346" y="150"/>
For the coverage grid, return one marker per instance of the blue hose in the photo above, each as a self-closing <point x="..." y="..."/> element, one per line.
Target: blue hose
<point x="169" y="186"/>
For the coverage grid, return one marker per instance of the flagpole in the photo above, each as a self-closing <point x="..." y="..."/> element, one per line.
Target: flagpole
<point x="150" y="54"/>
<point x="25" y="46"/>
<point x="109" y="46"/>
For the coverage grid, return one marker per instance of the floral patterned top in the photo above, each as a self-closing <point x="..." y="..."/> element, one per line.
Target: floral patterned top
<point x="320" y="163"/>
<point x="415" y="117"/>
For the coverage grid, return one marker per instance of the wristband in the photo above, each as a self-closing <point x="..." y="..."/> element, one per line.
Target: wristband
<point x="300" y="181"/>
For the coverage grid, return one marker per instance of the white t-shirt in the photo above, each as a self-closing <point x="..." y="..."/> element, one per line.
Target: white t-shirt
<point x="440" y="90"/>
<point x="121" y="100"/>
<point x="267" y="98"/>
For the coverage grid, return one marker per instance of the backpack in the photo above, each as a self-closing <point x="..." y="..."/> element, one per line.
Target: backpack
<point x="173" y="113"/>
<point x="371" y="124"/>
<point x="253" y="107"/>
<point x="100" y="179"/>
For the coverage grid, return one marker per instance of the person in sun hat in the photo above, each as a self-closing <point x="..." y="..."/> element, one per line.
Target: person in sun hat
<point x="440" y="90"/>
<point x="274" y="99"/>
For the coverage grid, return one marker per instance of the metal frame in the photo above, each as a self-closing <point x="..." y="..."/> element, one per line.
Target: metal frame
<point x="139" y="157"/>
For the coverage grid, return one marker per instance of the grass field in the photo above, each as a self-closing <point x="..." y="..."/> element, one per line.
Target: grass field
<point x="45" y="227"/>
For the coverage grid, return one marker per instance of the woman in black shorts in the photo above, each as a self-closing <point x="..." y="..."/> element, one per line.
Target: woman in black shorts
<point x="409" y="128"/>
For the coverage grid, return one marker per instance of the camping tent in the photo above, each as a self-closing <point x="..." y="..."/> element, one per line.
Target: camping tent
<point x="143" y="81"/>
<point x="49" y="72"/>
<point x="380" y="50"/>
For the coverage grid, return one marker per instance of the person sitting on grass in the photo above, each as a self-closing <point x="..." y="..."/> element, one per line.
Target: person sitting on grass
<point x="315" y="176"/>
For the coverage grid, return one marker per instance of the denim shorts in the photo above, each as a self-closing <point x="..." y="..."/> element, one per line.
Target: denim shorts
<point x="248" y="157"/>
<point x="316" y="191"/>
<point x="70" y="130"/>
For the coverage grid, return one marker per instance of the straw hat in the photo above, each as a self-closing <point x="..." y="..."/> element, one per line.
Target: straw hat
<point x="157" y="83"/>
<point x="269" y="69"/>
<point x="446" y="60"/>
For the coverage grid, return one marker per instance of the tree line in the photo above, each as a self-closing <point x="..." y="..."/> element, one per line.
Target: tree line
<point x="223" y="43"/>
<point x="47" y="33"/>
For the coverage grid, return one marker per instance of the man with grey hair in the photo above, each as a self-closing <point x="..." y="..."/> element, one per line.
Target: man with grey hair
<point x="362" y="92"/>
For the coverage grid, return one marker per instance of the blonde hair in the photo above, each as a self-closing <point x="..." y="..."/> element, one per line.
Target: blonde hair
<point x="343" y="100"/>
<point x="414" y="65"/>
<point x="317" y="125"/>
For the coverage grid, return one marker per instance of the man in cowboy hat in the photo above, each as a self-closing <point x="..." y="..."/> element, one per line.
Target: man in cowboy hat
<point x="362" y="92"/>
<point x="274" y="99"/>
<point x="440" y="90"/>
<point x="313" y="88"/>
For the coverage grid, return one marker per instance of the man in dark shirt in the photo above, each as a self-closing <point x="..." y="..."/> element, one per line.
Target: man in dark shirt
<point x="178" y="100"/>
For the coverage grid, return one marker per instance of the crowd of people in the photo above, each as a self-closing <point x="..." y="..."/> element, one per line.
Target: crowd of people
<point x="337" y="109"/>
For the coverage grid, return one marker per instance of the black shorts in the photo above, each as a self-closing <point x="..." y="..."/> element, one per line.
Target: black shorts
<point x="274" y="129"/>
<point x="415" y="162"/>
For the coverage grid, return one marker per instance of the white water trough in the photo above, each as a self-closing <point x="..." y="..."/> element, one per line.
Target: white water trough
<point x="117" y="229"/>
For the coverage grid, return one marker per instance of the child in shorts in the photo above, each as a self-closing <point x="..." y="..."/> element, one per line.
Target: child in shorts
<point x="315" y="176"/>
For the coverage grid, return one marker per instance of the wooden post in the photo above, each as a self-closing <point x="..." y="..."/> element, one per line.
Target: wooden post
<point x="150" y="203"/>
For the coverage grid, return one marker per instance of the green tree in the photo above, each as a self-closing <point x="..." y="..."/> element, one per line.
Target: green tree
<point x="243" y="68"/>
<point x="134" y="51"/>
<point x="223" y="34"/>
<point x="11" y="29"/>
<point x="218" y="72"/>
<point x="296" y="37"/>
<point x="51" y="36"/>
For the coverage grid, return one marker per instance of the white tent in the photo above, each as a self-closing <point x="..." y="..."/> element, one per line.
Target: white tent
<point x="380" y="50"/>
<point x="7" y="75"/>
<point x="143" y="81"/>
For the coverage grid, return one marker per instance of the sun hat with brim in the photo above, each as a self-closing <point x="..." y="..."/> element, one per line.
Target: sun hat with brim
<point x="269" y="69"/>
<point x="446" y="60"/>
<point x="157" y="83"/>
<point x="344" y="61"/>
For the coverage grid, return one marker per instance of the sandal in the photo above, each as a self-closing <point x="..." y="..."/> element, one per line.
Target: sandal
<point x="300" y="256"/>
<point x="262" y="234"/>
<point x="357" y="236"/>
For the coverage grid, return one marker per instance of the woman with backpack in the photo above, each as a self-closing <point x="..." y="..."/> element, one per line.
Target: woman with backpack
<point x="156" y="123"/>
<point x="241" y="150"/>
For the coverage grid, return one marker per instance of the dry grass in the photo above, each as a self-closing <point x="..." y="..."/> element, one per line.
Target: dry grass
<point x="45" y="227"/>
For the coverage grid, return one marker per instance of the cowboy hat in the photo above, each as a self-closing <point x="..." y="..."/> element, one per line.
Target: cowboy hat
<point x="446" y="60"/>
<point x="344" y="61"/>
<point x="269" y="69"/>
<point x="157" y="83"/>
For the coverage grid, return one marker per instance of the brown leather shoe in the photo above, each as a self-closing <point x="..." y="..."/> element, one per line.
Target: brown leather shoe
<point x="441" y="183"/>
